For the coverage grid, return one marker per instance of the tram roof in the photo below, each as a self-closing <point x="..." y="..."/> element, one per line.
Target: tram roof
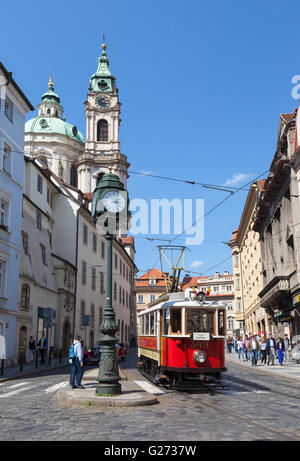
<point x="183" y="303"/>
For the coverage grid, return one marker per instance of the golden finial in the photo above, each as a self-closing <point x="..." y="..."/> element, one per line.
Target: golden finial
<point x="110" y="169"/>
<point x="50" y="80"/>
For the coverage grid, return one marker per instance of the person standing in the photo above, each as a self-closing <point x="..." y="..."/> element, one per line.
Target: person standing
<point x="280" y="350"/>
<point x="42" y="346"/>
<point x="271" y="347"/>
<point x="31" y="349"/>
<point x="235" y="341"/>
<point x="246" y="347"/>
<point x="254" y="349"/>
<point x="287" y="346"/>
<point x="240" y="348"/>
<point x="263" y="351"/>
<point x="77" y="364"/>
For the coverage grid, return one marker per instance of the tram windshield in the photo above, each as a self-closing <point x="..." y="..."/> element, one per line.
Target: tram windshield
<point x="199" y="321"/>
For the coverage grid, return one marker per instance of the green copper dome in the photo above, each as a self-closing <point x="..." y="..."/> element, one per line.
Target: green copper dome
<point x="42" y="124"/>
<point x="103" y="81"/>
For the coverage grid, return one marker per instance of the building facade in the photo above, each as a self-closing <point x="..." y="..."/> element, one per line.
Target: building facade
<point x="13" y="107"/>
<point x="247" y="269"/>
<point x="149" y="287"/>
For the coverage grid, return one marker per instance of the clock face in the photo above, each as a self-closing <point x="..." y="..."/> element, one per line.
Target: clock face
<point x="113" y="201"/>
<point x="103" y="102"/>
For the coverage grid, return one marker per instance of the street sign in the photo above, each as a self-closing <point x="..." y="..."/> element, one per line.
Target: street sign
<point x="86" y="320"/>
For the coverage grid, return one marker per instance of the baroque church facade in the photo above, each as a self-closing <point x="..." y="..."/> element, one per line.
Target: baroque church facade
<point x="63" y="259"/>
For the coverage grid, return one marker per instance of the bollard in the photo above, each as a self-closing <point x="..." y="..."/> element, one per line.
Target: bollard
<point x="21" y="362"/>
<point x="36" y="358"/>
<point x="60" y="356"/>
<point x="2" y="368"/>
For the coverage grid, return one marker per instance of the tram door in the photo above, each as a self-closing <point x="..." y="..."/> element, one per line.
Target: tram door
<point x="161" y="335"/>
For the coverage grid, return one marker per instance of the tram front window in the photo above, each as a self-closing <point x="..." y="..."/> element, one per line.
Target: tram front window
<point x="175" y="321"/>
<point x="199" y="321"/>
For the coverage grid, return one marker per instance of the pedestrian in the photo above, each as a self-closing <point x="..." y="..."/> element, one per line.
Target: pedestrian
<point x="287" y="345"/>
<point x="42" y="346"/>
<point x="258" y="339"/>
<point x="240" y="349"/>
<point x="280" y="350"/>
<point x="271" y="348"/>
<point x="229" y="344"/>
<point x="263" y="351"/>
<point x="246" y="347"/>
<point x="254" y="349"/>
<point x="77" y="364"/>
<point x="235" y="343"/>
<point x="31" y="349"/>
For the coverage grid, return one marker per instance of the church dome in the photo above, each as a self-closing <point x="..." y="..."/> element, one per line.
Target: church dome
<point x="42" y="124"/>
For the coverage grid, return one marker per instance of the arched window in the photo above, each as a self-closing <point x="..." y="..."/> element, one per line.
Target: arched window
<point x="102" y="130"/>
<point x="100" y="176"/>
<point x="73" y="176"/>
<point x="48" y="111"/>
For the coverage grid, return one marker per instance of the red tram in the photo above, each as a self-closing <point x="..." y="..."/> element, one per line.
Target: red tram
<point x="181" y="341"/>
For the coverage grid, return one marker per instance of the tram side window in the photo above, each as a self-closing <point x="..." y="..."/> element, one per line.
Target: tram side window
<point x="199" y="322"/>
<point x="175" y="321"/>
<point x="147" y="324"/>
<point x="221" y="323"/>
<point x="166" y="321"/>
<point x="152" y="327"/>
<point x="142" y="325"/>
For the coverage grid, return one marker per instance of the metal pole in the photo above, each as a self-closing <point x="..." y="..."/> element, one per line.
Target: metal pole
<point x="108" y="376"/>
<point x="21" y="362"/>
<point x="2" y="367"/>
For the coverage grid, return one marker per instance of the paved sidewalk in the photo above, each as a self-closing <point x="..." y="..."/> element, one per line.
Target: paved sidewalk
<point x="289" y="370"/>
<point x="14" y="372"/>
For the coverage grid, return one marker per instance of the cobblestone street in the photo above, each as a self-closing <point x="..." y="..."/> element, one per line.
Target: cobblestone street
<point x="251" y="406"/>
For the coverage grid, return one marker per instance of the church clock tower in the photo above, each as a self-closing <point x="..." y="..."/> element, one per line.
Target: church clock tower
<point x="102" y="146"/>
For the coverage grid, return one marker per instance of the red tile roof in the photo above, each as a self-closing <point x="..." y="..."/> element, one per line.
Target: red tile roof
<point x="143" y="281"/>
<point x="288" y="117"/>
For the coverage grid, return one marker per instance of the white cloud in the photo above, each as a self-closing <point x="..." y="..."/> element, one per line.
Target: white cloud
<point x="196" y="263"/>
<point x="236" y="178"/>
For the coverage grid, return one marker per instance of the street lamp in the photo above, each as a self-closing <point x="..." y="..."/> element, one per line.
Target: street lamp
<point x="109" y="210"/>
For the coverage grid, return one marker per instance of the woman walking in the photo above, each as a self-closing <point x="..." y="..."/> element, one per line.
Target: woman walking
<point x="263" y="350"/>
<point x="240" y="348"/>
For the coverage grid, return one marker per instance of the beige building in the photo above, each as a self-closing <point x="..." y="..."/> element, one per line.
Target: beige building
<point x="149" y="287"/>
<point x="247" y="269"/>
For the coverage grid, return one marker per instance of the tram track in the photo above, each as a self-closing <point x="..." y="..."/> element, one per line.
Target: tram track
<point x="221" y="410"/>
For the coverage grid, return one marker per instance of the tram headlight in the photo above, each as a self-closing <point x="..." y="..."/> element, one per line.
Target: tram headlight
<point x="199" y="357"/>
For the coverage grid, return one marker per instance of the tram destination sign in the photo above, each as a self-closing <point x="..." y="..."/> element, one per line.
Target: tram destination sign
<point x="201" y="337"/>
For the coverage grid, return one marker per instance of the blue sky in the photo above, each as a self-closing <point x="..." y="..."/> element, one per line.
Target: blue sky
<point x="202" y="85"/>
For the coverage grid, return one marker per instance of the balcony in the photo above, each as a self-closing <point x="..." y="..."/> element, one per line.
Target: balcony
<point x="276" y="292"/>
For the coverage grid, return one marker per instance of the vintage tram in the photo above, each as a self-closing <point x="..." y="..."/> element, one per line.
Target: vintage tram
<point x="181" y="340"/>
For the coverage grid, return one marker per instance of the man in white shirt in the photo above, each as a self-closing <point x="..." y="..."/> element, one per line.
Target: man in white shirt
<point x="271" y="347"/>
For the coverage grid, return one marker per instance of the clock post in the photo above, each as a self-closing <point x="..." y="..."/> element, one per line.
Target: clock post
<point x="106" y="205"/>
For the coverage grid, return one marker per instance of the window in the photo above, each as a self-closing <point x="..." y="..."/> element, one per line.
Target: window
<point x="43" y="250"/>
<point x="175" y="321"/>
<point x="236" y="259"/>
<point x="115" y="291"/>
<point x="8" y="109"/>
<point x="39" y="185"/>
<point x="7" y="158"/>
<point x="238" y="281"/>
<point x="102" y="130"/>
<point x="92" y="324"/>
<point x="166" y="319"/>
<point x="83" y="274"/>
<point x="25" y="243"/>
<point x="120" y="295"/>
<point x="39" y="220"/>
<point x="199" y="321"/>
<point x="25" y="296"/>
<point x="147" y="324"/>
<point x="230" y="305"/>
<point x="82" y="313"/>
<point x="216" y="288"/>
<point x="140" y="298"/>
<point x="93" y="278"/>
<point x="229" y="288"/>
<point x="221" y="315"/>
<point x="239" y="304"/>
<point x="50" y="238"/>
<point x="152" y="298"/>
<point x="101" y="282"/>
<point x="3" y="213"/>
<point x="49" y="197"/>
<point x="95" y="243"/>
<point x="116" y="261"/>
<point x="230" y="324"/>
<point x="152" y="324"/>
<point x="85" y="234"/>
<point x="152" y="282"/>
<point x="2" y="278"/>
<point x="102" y="250"/>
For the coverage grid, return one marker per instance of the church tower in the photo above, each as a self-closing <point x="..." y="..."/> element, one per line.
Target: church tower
<point x="102" y="145"/>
